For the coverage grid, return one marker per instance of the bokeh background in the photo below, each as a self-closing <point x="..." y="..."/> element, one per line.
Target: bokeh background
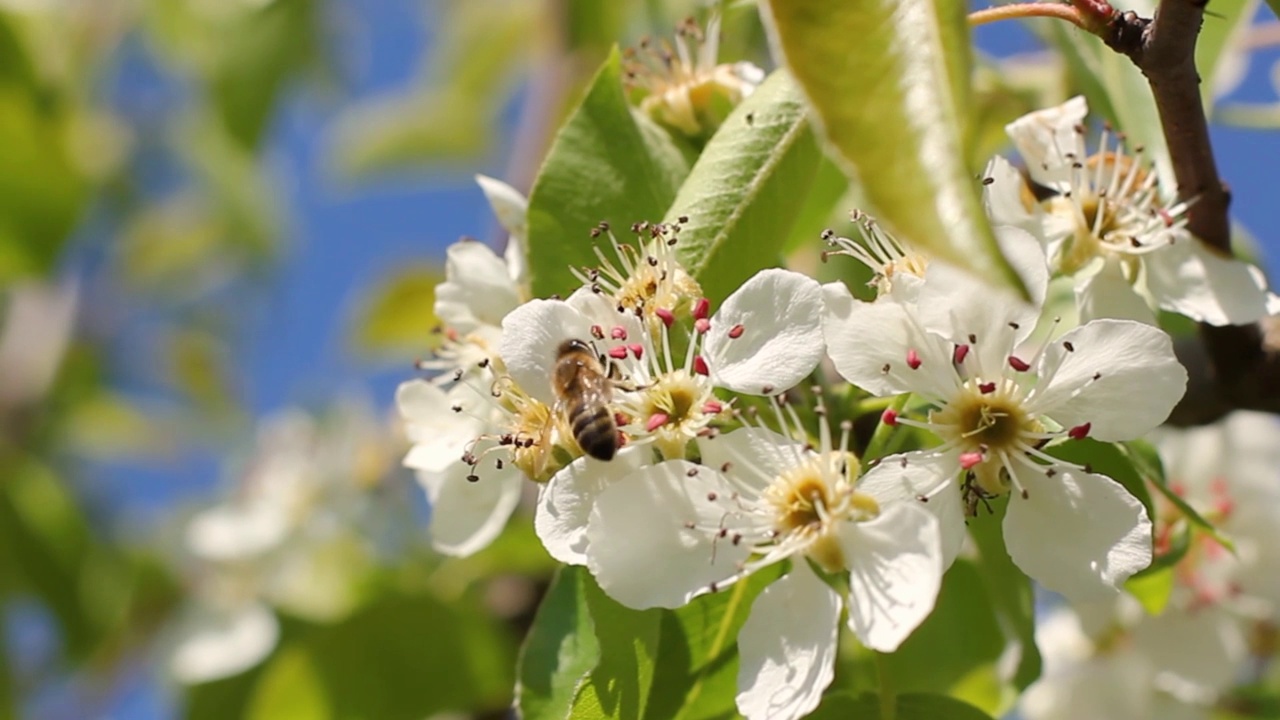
<point x="215" y="213"/>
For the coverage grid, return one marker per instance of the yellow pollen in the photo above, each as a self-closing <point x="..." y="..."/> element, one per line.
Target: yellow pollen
<point x="808" y="505"/>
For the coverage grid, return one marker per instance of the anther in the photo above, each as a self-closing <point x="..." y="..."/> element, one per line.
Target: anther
<point x="618" y="352"/>
<point x="1080" y="432"/>
<point x="970" y="459"/>
<point x="701" y="325"/>
<point x="913" y="359"/>
<point x="712" y="407"/>
<point x="656" y="421"/>
<point x="960" y="353"/>
<point x="889" y="417"/>
<point x="735" y="332"/>
<point x="711" y="496"/>
<point x="1018" y="363"/>
<point x="665" y="315"/>
<point x="473" y="478"/>
<point x="700" y="365"/>
<point x="597" y="332"/>
<point x="1066" y="344"/>
<point x="691" y="472"/>
<point x="701" y="308"/>
<point x="617" y="332"/>
<point x="987" y="388"/>
<point x="637" y="350"/>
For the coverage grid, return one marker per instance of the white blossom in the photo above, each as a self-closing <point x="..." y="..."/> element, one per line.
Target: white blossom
<point x="995" y="404"/>
<point x="1108" y="223"/>
<point x="668" y="532"/>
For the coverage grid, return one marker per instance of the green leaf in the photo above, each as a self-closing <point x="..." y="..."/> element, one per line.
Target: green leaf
<point x="910" y="706"/>
<point x="607" y="164"/>
<point x="888" y="81"/>
<point x="262" y="50"/>
<point x="619" y="685"/>
<point x="559" y="651"/>
<point x="413" y="656"/>
<point x="1220" y="34"/>
<point x="399" y="316"/>
<point x="1152" y="589"/>
<point x="960" y="641"/>
<point x="747" y="188"/>
<point x="697" y="675"/>
<point x="289" y="689"/>
<point x="1010" y="590"/>
<point x="221" y="699"/>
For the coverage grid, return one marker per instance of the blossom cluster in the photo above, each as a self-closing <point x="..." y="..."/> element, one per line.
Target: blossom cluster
<point x="677" y="448"/>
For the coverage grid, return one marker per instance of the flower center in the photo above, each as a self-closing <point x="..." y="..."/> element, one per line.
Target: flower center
<point x="674" y="409"/>
<point x="986" y="422"/>
<point x="810" y="499"/>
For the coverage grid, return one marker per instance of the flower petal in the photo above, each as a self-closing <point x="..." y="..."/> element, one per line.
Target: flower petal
<point x="439" y="434"/>
<point x="565" y="502"/>
<point x="510" y="207"/>
<point x="216" y="642"/>
<point x="1187" y="277"/>
<point x="1214" y="633"/>
<point x="1044" y="138"/>
<point x="1102" y="291"/>
<point x="895" y="572"/>
<point x="1120" y="376"/>
<point x="467" y="515"/>
<point x="639" y="543"/>
<point x="531" y="337"/>
<point x="228" y="533"/>
<point x="1003" y="195"/>
<point x="780" y="313"/>
<point x="478" y="291"/>
<point x="922" y="474"/>
<point x="865" y="338"/>
<point x="756" y="456"/>
<point x="788" y="647"/>
<point x="1076" y="533"/>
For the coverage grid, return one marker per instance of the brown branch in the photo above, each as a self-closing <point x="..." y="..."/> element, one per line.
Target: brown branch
<point x="1233" y="366"/>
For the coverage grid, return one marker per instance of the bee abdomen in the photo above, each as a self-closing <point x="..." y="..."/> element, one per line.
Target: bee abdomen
<point x="595" y="431"/>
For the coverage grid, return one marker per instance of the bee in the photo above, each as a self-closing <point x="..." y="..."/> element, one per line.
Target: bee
<point x="583" y="391"/>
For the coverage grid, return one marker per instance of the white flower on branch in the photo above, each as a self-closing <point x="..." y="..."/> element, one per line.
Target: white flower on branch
<point x="996" y="404"/>
<point x="763" y="340"/>
<point x="668" y="532"/>
<point x="1107" y="222"/>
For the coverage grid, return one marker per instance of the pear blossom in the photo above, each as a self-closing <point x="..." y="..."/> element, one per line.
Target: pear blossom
<point x="291" y="536"/>
<point x="684" y="88"/>
<point x="764" y="339"/>
<point x="671" y="531"/>
<point x="898" y="270"/>
<point x="1113" y="662"/>
<point x="1109" y="224"/>
<point x="644" y="276"/>
<point x="996" y="404"/>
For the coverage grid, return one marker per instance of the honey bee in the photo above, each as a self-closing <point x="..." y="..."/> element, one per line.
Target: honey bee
<point x="583" y="391"/>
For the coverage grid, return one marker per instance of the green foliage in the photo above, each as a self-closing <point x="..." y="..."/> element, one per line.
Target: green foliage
<point x="607" y="164"/>
<point x="399" y="317"/>
<point x="893" y="107"/>
<point x="1012" y="599"/>
<point x="913" y="706"/>
<point x="747" y="188"/>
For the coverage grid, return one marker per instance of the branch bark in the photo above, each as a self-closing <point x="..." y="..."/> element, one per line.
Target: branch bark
<point x="1235" y="366"/>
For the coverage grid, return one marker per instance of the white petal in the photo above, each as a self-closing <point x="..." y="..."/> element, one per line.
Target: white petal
<point x="781" y="342"/>
<point x="233" y="532"/>
<point x="216" y="643"/>
<point x="1102" y="291"/>
<point x="788" y="647"/>
<point x="439" y="434"/>
<point x="1003" y="196"/>
<point x="863" y="338"/>
<point x="510" y="207"/>
<point x="755" y="455"/>
<point x="1138" y="379"/>
<point x="958" y="306"/>
<point x="478" y="289"/>
<point x="1189" y="278"/>
<point x="531" y="337"/>
<point x="639" y="546"/>
<point x="565" y="502"/>
<point x="907" y="478"/>
<point x="466" y="516"/>
<point x="1106" y="687"/>
<point x="1044" y="137"/>
<point x="1078" y="534"/>
<point x="895" y="572"/>
<point x="1216" y="636"/>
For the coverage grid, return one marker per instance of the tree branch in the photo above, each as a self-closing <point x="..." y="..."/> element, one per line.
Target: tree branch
<point x="1234" y="366"/>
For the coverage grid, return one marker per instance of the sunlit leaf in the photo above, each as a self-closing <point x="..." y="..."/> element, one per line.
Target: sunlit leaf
<point x="559" y="651"/>
<point x="400" y="315"/>
<point x="289" y="688"/>
<point x="747" y="188"/>
<point x="619" y="685"/>
<point x="1220" y="55"/>
<point x="608" y="164"/>
<point x="888" y="81"/>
